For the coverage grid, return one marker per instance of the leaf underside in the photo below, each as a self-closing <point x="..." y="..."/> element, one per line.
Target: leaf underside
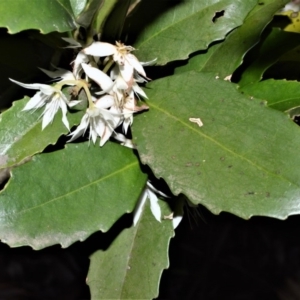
<point x="282" y="95"/>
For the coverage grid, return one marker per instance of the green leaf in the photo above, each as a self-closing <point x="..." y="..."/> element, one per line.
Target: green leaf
<point x="237" y="162"/>
<point x="186" y="26"/>
<point x="280" y="94"/>
<point x="132" y="266"/>
<point x="88" y="13"/>
<point x="44" y="15"/>
<point x="78" y="6"/>
<point x="114" y="14"/>
<point x="69" y="194"/>
<point x="223" y="58"/>
<point x="22" y="136"/>
<point x="269" y="51"/>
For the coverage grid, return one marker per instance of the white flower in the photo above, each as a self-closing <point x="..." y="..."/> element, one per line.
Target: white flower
<point x="149" y="192"/>
<point x="123" y="140"/>
<point x="126" y="61"/>
<point x="77" y="68"/>
<point x="50" y="97"/>
<point x="59" y="74"/>
<point x="101" y="122"/>
<point x="116" y="88"/>
<point x="103" y="80"/>
<point x="122" y="85"/>
<point x="129" y="108"/>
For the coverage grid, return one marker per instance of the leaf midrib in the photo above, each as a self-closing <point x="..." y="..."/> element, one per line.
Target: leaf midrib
<point x="72" y="192"/>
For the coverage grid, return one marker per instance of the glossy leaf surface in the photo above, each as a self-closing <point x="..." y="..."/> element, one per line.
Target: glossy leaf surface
<point x="69" y="194"/>
<point x="21" y="134"/>
<point x="238" y="161"/>
<point x="268" y="52"/>
<point x="186" y="26"/>
<point x="223" y="58"/>
<point x="280" y="94"/>
<point x="132" y="266"/>
<point x="43" y="15"/>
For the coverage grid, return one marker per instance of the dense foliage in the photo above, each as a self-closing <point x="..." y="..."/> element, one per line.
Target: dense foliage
<point x="150" y="108"/>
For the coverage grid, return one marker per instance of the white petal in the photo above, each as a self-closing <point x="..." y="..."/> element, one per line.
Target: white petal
<point x="126" y="71"/>
<point x="138" y="90"/>
<point x="123" y="140"/>
<point x="73" y="103"/>
<point x="93" y="133"/>
<point x="114" y="72"/>
<point x="99" y="126"/>
<point x="148" y="63"/>
<point x="106" y="135"/>
<point x="136" y="64"/>
<point x="176" y="220"/>
<point x="154" y="206"/>
<point x="100" y="49"/>
<point x="178" y="212"/>
<point x="80" y="58"/>
<point x="127" y="122"/>
<point x="105" y="101"/>
<point x="103" y="80"/>
<point x="138" y="78"/>
<point x="121" y="84"/>
<point x="49" y="113"/>
<point x="37" y="101"/>
<point x="59" y="73"/>
<point x="80" y="130"/>
<point x="151" y="187"/>
<point x="46" y="89"/>
<point x="139" y="206"/>
<point x="64" y="110"/>
<point x="73" y="43"/>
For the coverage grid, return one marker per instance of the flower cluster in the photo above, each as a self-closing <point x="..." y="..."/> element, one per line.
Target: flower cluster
<point x="112" y="105"/>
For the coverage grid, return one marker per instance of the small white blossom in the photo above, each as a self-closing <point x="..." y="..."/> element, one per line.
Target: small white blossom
<point x="102" y="79"/>
<point x="129" y="108"/>
<point x="123" y="140"/>
<point x="77" y="68"/>
<point x="59" y="74"/>
<point x="126" y="61"/>
<point x="149" y="192"/>
<point x="50" y="97"/>
<point x="101" y="122"/>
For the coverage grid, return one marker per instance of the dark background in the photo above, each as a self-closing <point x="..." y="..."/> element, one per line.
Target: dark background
<point x="211" y="257"/>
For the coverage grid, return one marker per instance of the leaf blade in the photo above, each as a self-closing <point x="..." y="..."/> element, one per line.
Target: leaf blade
<point x="233" y="163"/>
<point x="187" y="27"/>
<point x="55" y="15"/>
<point x="140" y="254"/>
<point x="225" y="57"/>
<point x="20" y="131"/>
<point x="69" y="194"/>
